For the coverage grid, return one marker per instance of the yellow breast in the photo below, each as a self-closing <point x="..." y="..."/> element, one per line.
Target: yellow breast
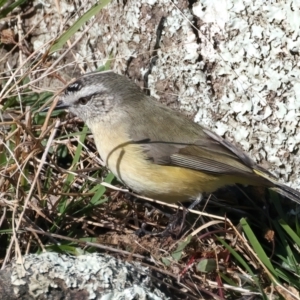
<point x="129" y="164"/>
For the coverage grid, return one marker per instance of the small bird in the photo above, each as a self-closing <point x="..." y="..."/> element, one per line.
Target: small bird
<point x="154" y="150"/>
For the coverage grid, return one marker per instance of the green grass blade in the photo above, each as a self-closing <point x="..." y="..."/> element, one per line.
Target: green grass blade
<point x="11" y="7"/>
<point x="97" y="198"/>
<point x="77" y="155"/>
<point x="244" y="264"/>
<point x="257" y="247"/>
<point x="236" y="256"/>
<point x="227" y="279"/>
<point x="73" y="29"/>
<point x="289" y="258"/>
<point x="290" y="232"/>
<point x="2" y="2"/>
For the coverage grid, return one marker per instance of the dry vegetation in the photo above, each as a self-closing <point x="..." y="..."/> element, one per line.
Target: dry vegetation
<point x="51" y="198"/>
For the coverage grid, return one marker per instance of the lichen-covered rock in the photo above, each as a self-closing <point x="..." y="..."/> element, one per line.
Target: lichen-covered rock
<point x="91" y="276"/>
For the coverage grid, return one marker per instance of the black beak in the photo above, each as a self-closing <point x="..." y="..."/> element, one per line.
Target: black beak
<point x="59" y="105"/>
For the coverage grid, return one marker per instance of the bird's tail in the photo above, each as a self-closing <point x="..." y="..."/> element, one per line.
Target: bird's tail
<point x="279" y="188"/>
<point x="287" y="191"/>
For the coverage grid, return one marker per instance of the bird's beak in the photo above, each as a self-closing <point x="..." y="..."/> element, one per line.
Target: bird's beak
<point x="59" y="105"/>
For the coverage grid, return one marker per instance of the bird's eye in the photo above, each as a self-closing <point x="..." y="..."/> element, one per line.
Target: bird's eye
<point x="83" y="100"/>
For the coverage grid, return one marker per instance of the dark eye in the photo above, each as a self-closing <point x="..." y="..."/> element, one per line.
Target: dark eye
<point x="84" y="100"/>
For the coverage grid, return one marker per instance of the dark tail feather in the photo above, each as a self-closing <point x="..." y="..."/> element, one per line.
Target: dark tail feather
<point x="287" y="191"/>
<point x="279" y="188"/>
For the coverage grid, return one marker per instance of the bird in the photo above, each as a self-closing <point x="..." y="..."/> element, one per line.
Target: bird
<point x="155" y="151"/>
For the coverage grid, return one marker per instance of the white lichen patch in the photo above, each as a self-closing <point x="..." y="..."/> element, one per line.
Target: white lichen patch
<point x="102" y="276"/>
<point x="252" y="92"/>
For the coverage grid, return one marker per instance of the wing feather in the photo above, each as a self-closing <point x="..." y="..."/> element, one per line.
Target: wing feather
<point x="186" y="144"/>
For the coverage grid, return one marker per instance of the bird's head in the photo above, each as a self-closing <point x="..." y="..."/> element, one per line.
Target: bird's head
<point x="94" y="95"/>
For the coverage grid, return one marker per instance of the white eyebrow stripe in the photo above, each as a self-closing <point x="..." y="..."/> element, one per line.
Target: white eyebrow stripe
<point x="90" y="90"/>
<point x="75" y="85"/>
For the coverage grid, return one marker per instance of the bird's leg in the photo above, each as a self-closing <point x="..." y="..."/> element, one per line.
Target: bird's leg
<point x="142" y="231"/>
<point x="174" y="228"/>
<point x="196" y="201"/>
<point x="176" y="224"/>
